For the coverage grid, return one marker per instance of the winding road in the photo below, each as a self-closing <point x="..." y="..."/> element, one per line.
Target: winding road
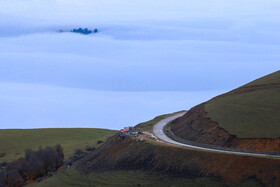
<point x="158" y="131"/>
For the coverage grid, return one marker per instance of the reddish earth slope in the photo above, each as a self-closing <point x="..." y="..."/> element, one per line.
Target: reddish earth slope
<point x="130" y="154"/>
<point x="196" y="126"/>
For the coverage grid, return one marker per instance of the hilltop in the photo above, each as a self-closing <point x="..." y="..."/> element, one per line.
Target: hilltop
<point x="247" y="117"/>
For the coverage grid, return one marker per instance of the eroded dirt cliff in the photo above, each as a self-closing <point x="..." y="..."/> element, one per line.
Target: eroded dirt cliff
<point x="196" y="126"/>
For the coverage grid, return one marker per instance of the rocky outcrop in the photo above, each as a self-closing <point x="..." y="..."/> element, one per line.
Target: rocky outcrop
<point x="196" y="126"/>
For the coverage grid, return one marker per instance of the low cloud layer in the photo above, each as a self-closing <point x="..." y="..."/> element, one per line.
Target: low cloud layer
<point x="152" y="57"/>
<point x="37" y="106"/>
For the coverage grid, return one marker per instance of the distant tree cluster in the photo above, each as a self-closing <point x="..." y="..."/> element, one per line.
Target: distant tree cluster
<point x="35" y="164"/>
<point x="84" y="31"/>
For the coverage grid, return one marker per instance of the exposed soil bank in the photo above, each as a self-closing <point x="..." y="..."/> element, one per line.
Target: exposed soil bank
<point x="196" y="126"/>
<point x="130" y="154"/>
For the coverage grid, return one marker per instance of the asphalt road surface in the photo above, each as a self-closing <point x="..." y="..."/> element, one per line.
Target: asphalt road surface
<point x="158" y="131"/>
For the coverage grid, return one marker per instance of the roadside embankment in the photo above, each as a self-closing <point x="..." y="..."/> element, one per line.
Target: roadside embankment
<point x="132" y="154"/>
<point x="197" y="127"/>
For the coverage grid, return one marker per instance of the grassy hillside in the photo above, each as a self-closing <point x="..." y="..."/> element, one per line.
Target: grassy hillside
<point x="130" y="149"/>
<point x="71" y="177"/>
<point x="249" y="111"/>
<point x="148" y="125"/>
<point x="160" y="165"/>
<point x="14" y="142"/>
<point x="273" y="78"/>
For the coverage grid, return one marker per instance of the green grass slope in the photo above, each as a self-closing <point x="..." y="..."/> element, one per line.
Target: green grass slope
<point x="273" y="78"/>
<point x="148" y="125"/>
<point x="251" y="111"/>
<point x="71" y="177"/>
<point x="13" y="142"/>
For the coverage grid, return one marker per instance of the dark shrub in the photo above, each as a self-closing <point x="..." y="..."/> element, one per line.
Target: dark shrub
<point x="2" y="181"/>
<point x="28" y="153"/>
<point x="90" y="148"/>
<point x="3" y="164"/>
<point x="78" y="152"/>
<point x="35" y="164"/>
<point x="99" y="141"/>
<point x="12" y="177"/>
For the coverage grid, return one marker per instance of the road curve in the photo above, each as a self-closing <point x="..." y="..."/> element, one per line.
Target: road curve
<point x="158" y="131"/>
